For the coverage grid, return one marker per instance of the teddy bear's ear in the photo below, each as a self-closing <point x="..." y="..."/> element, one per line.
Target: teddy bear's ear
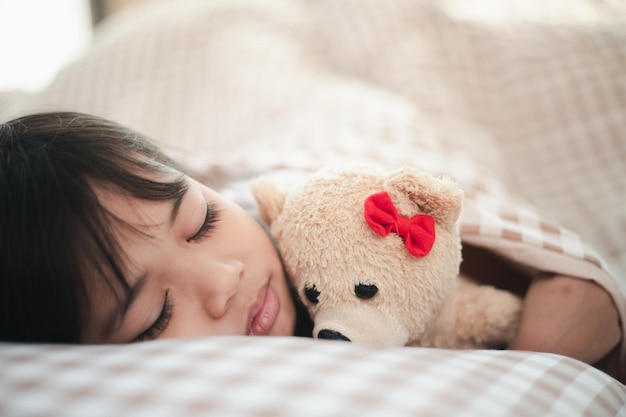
<point x="268" y="197"/>
<point x="439" y="197"/>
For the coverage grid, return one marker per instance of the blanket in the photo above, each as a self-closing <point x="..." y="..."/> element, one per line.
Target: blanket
<point x="529" y="115"/>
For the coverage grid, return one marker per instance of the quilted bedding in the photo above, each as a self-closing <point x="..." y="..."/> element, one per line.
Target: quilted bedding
<point x="528" y="115"/>
<point x="297" y="377"/>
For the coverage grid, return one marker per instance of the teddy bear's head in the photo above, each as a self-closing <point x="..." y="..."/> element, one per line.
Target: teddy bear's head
<point x="372" y="256"/>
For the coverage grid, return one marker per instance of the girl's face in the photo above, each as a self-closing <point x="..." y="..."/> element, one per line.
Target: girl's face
<point x="201" y="266"/>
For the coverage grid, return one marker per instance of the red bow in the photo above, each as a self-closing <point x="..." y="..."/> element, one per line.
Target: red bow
<point x="418" y="232"/>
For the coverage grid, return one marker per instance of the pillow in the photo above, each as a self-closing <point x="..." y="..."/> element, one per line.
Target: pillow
<point x="248" y="376"/>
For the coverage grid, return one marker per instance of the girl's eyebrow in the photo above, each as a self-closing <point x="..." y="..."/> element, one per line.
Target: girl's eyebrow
<point x="177" y="203"/>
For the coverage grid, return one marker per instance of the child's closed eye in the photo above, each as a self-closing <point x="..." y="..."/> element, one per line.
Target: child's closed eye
<point x="208" y="225"/>
<point x="161" y="322"/>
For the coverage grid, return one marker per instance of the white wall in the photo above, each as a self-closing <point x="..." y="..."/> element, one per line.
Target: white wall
<point x="37" y="37"/>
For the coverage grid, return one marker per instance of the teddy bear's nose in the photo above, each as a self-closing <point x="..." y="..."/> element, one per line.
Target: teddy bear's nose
<point x="332" y="335"/>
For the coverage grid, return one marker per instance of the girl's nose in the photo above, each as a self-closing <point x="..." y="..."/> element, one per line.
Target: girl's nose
<point x="219" y="284"/>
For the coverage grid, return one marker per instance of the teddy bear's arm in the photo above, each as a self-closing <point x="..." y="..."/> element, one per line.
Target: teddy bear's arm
<point x="475" y="317"/>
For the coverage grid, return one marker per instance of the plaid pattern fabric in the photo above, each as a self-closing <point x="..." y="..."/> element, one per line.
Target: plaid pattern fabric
<point x="243" y="376"/>
<point x="529" y="116"/>
<point x="533" y="108"/>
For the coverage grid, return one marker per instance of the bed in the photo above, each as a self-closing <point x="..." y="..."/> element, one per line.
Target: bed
<point x="523" y="102"/>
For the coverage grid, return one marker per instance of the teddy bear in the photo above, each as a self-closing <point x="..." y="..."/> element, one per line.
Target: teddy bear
<point x="374" y="256"/>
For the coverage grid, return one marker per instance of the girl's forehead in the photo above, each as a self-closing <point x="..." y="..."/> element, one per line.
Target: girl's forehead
<point x="136" y="210"/>
<point x="132" y="210"/>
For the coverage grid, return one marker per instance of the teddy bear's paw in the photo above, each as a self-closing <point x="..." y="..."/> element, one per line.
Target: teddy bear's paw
<point x="489" y="317"/>
<point x="478" y="317"/>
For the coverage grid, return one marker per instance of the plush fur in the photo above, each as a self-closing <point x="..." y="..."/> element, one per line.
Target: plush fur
<point x="362" y="287"/>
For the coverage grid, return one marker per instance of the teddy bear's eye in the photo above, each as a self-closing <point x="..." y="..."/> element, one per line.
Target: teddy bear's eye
<point x="312" y="294"/>
<point x="365" y="291"/>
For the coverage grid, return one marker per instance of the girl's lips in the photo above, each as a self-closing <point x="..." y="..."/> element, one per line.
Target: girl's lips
<point x="264" y="315"/>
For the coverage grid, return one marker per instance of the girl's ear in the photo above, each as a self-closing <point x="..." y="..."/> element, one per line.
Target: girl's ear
<point x="269" y="198"/>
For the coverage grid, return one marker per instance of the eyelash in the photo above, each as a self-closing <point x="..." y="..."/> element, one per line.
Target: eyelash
<point x="161" y="322"/>
<point x="165" y="316"/>
<point x="208" y="225"/>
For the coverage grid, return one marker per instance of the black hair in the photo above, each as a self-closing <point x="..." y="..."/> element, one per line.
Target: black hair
<point x="53" y="229"/>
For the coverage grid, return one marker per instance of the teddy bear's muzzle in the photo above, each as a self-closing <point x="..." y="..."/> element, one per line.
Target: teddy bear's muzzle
<point x="361" y="323"/>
